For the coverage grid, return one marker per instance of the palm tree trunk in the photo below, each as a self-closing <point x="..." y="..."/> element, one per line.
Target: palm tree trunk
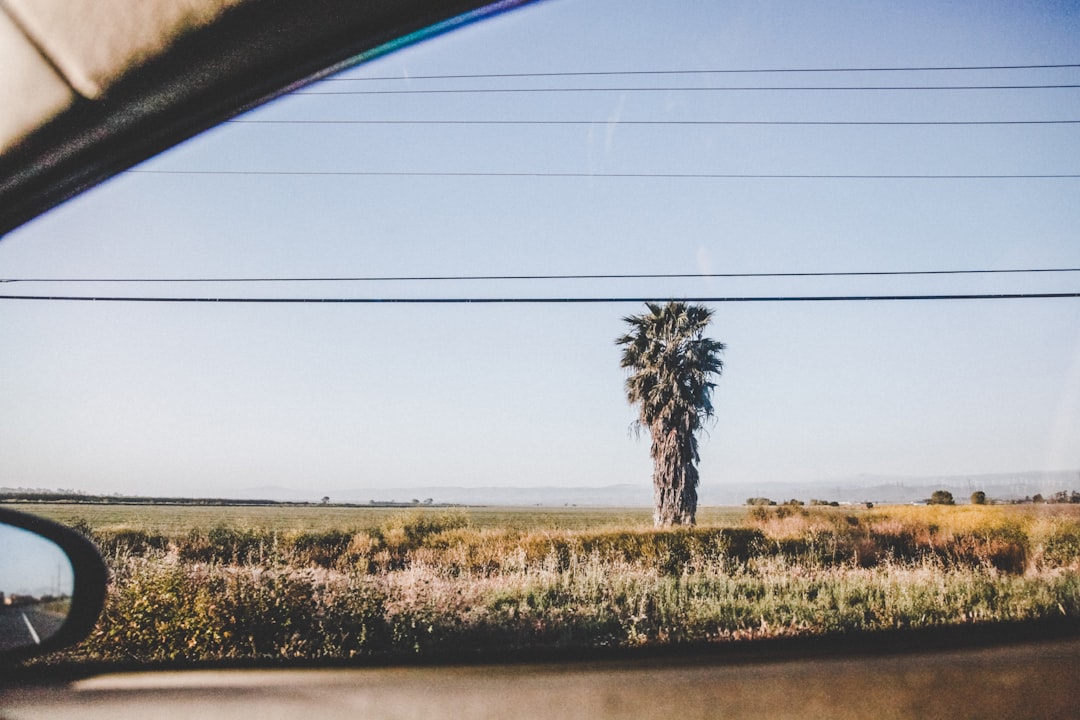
<point x="675" y="478"/>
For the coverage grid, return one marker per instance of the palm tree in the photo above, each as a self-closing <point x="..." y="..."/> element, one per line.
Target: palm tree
<point x="672" y="366"/>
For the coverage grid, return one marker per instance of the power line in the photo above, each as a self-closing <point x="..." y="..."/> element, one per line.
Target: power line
<point x="537" y="300"/>
<point x="726" y="88"/>
<point x="670" y="176"/>
<point x="593" y="276"/>
<point x="715" y="71"/>
<point x="659" y="122"/>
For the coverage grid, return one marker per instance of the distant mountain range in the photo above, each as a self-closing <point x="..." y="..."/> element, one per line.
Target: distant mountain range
<point x="856" y="489"/>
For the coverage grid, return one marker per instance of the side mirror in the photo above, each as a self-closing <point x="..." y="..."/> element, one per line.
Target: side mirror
<point x="52" y="586"/>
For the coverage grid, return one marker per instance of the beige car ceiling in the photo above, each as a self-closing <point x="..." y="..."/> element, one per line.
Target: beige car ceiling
<point x="53" y="51"/>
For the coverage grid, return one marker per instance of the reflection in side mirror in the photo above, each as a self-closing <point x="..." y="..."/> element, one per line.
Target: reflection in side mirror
<point x="52" y="585"/>
<point x="36" y="583"/>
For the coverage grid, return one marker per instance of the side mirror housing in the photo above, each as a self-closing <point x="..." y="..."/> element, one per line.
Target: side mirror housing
<point x="52" y="586"/>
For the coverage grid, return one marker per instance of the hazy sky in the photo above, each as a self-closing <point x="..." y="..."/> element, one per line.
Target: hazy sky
<point x="214" y="399"/>
<point x="32" y="565"/>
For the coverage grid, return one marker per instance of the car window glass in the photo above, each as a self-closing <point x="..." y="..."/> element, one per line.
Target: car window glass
<point x="468" y="220"/>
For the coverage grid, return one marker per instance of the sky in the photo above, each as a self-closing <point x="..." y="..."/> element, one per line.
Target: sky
<point x="323" y="399"/>
<point x="33" y="565"/>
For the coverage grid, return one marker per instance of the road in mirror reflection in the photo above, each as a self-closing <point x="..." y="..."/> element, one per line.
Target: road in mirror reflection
<point x="36" y="582"/>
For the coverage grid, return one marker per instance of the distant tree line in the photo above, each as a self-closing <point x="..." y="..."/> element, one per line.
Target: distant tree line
<point x="938" y="497"/>
<point x="19" y="495"/>
<point x="1061" y="497"/>
<point x="764" y="501"/>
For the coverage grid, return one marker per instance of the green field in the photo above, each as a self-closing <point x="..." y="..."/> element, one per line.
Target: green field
<point x="211" y="584"/>
<point x="173" y="519"/>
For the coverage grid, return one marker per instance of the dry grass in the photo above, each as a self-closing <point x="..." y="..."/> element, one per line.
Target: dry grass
<point x="179" y="519"/>
<point x="433" y="583"/>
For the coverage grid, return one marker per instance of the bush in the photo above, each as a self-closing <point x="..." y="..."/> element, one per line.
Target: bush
<point x="941" y="497"/>
<point x="320" y="548"/>
<point x="169" y="612"/>
<point x="413" y="529"/>
<point x="128" y="541"/>
<point x="1061" y="548"/>
<point x="227" y="545"/>
<point x="978" y="498"/>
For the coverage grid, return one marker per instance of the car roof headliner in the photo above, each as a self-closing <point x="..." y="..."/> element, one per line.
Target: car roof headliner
<point x="92" y="87"/>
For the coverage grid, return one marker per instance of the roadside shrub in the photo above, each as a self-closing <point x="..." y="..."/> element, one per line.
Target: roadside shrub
<point x="1002" y="548"/>
<point x="316" y="548"/>
<point x="128" y="541"/>
<point x="1061" y="547"/>
<point x="410" y="530"/>
<point x="667" y="551"/>
<point x="169" y="612"/>
<point x="223" y="544"/>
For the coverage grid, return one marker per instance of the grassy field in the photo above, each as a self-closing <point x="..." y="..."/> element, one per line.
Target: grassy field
<point x="174" y="519"/>
<point x="211" y="584"/>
